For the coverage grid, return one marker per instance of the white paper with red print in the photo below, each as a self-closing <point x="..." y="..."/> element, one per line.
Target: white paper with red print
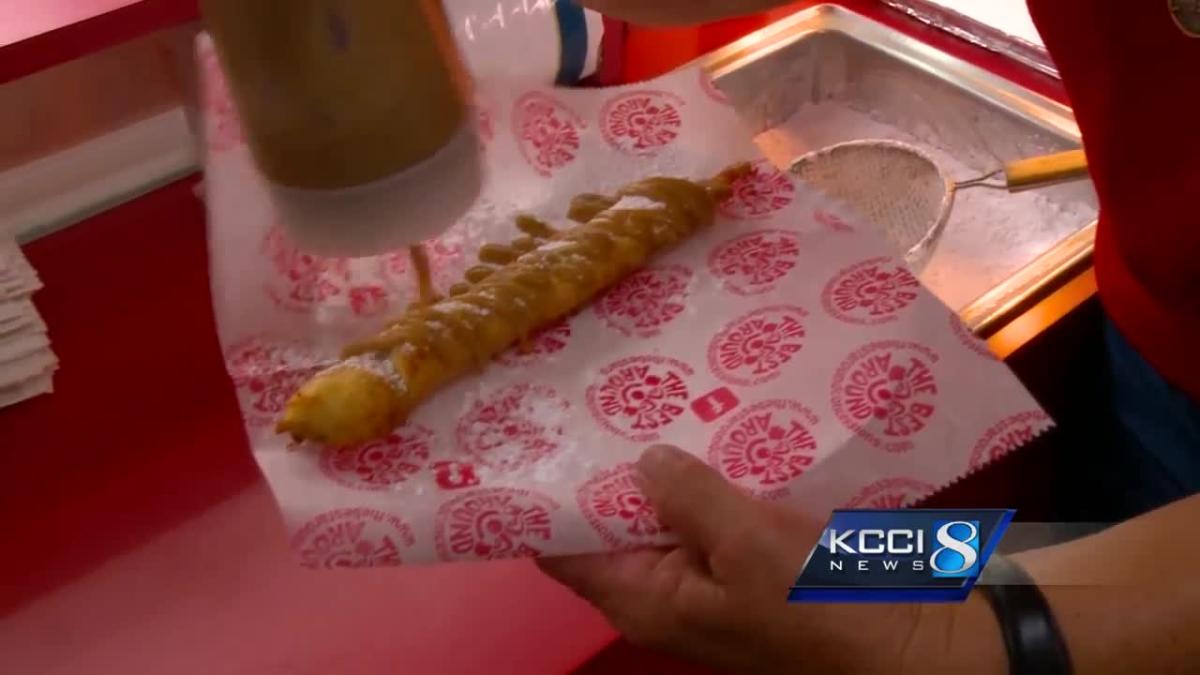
<point x="784" y="346"/>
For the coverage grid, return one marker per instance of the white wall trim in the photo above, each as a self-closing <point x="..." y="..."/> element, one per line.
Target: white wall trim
<point x="64" y="188"/>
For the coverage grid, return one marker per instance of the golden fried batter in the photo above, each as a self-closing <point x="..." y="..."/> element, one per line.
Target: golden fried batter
<point x="520" y="289"/>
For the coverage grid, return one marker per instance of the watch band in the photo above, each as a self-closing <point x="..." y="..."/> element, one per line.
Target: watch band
<point x="1031" y="635"/>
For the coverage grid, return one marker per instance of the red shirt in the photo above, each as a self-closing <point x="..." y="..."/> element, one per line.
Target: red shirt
<point x="1133" y="76"/>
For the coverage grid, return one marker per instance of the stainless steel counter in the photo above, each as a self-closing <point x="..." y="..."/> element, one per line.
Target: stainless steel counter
<point x="827" y="75"/>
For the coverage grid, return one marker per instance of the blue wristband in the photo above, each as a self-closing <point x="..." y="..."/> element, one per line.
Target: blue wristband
<point x="573" y="31"/>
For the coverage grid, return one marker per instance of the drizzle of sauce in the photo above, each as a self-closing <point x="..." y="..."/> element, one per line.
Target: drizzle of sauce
<point x="420" y="261"/>
<point x="543" y="275"/>
<point x="587" y="206"/>
<point x="539" y="278"/>
<point x="438" y="341"/>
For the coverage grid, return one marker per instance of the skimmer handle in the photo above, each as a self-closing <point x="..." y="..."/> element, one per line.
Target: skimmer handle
<point x="1035" y="172"/>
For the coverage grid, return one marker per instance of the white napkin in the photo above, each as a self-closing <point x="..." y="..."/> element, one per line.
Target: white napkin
<point x="27" y="363"/>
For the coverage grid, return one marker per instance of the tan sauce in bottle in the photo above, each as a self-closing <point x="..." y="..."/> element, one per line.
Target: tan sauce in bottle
<point x="339" y="93"/>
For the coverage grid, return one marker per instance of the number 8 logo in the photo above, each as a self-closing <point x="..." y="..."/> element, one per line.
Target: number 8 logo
<point x="958" y="549"/>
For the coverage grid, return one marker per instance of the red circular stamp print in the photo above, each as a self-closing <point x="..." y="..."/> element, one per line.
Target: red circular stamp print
<point x="969" y="339"/>
<point x="617" y="509"/>
<point x="765" y="447"/>
<point x="886" y="393"/>
<point x="452" y="475"/>
<point x="871" y="292"/>
<point x="710" y="88"/>
<point x="547" y="341"/>
<point x="1007" y="435"/>
<point x="302" y="281"/>
<point x="891" y="493"/>
<point x="379" y="465"/>
<point x="222" y="125"/>
<point x="636" y="398"/>
<point x="352" y="538"/>
<point x="513" y="427"/>
<point x="831" y="221"/>
<point x="266" y="375"/>
<point x="546" y="131"/>
<point x="754" y="263"/>
<point x="754" y="348"/>
<point x="641" y="122"/>
<point x="646" y="301"/>
<point x="493" y="524"/>
<point x="759" y="194"/>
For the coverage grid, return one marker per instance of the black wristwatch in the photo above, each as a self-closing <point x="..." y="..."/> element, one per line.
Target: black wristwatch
<point x="1031" y="635"/>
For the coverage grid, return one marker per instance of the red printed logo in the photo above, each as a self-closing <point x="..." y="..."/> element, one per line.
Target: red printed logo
<point x="715" y="404"/>
<point x="754" y="263"/>
<point x="890" y="493"/>
<point x="304" y="281"/>
<point x="754" y="348"/>
<point x="765" y="447"/>
<point x="379" y="465"/>
<point x="831" y="221"/>
<point x="547" y="341"/>
<point x="493" y="524"/>
<point x="455" y="475"/>
<point x="266" y="375"/>
<point x="546" y="131"/>
<point x="637" y="397"/>
<point x="872" y="292"/>
<point x="307" y="279"/>
<point x="641" y="122"/>
<point x="646" y="301"/>
<point x="367" y="300"/>
<point x="969" y="339"/>
<point x="513" y="427"/>
<point x="886" y="393"/>
<point x="616" y="508"/>
<point x="222" y="125"/>
<point x="710" y="88"/>
<point x="759" y="194"/>
<point x="1008" y="435"/>
<point x="352" y="538"/>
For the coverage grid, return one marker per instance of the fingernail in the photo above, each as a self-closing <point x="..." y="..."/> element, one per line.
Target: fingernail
<point x="661" y="457"/>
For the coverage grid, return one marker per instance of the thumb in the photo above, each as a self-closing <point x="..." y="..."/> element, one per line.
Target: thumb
<point x="691" y="497"/>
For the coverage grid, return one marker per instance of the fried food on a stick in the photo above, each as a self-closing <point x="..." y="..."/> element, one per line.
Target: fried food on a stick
<point x="541" y="278"/>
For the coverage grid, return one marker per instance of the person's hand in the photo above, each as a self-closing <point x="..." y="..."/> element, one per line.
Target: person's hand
<point x="720" y="597"/>
<point x="679" y="12"/>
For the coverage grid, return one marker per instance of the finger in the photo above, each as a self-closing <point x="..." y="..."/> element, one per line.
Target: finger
<point x="601" y="576"/>
<point x="632" y="589"/>
<point x="695" y="598"/>
<point x="691" y="498"/>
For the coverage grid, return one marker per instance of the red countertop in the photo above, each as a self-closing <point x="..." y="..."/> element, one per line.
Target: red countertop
<point x="25" y="19"/>
<point x="39" y="34"/>
<point x="139" y="536"/>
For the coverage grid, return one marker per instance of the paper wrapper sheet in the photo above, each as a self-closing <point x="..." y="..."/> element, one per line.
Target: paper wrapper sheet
<point x="786" y="346"/>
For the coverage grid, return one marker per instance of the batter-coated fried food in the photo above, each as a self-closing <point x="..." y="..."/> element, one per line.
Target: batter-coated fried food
<point x="545" y="276"/>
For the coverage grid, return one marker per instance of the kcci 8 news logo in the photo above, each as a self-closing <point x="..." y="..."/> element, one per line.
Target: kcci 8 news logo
<point x="904" y="555"/>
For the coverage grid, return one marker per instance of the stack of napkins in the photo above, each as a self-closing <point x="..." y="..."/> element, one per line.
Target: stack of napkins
<point x="27" y="364"/>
